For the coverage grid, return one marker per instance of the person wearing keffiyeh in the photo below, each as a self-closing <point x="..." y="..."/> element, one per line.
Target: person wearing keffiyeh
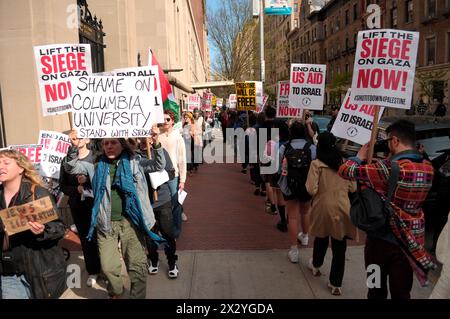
<point x="122" y="210"/>
<point x="400" y="252"/>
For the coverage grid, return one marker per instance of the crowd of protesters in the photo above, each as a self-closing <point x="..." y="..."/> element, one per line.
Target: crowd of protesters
<point x="312" y="192"/>
<point x="122" y="213"/>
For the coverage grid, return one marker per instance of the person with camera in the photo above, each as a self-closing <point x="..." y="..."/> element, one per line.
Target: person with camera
<point x="32" y="261"/>
<point x="398" y="250"/>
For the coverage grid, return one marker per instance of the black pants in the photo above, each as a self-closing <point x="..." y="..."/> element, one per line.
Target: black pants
<point x="164" y="223"/>
<point x="81" y="214"/>
<point x="255" y="176"/>
<point x="393" y="264"/>
<point x="338" y="248"/>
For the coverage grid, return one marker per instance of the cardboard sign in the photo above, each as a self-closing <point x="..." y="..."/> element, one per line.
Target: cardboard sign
<point x="32" y="151"/>
<point x="194" y="102"/>
<point x="154" y="91"/>
<point x="232" y="100"/>
<point x="54" y="148"/>
<point x="283" y="107"/>
<point x="384" y="69"/>
<point x="16" y="218"/>
<point x="115" y="106"/>
<point x="307" y="86"/>
<point x="246" y="96"/>
<point x="355" y="121"/>
<point x="55" y="64"/>
<point x="207" y="101"/>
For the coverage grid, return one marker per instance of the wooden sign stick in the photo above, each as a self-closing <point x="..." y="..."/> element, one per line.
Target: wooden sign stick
<point x="70" y="120"/>
<point x="373" y="137"/>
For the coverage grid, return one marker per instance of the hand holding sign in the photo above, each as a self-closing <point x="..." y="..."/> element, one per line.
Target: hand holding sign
<point x="36" y="228"/>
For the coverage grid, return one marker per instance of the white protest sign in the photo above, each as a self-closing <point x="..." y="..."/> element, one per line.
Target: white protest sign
<point x="283" y="108"/>
<point x="54" y="148"/>
<point x="207" y="101"/>
<point x="233" y="101"/>
<point x="154" y="91"/>
<point x="114" y="106"/>
<point x="55" y="64"/>
<point x="385" y="64"/>
<point x="354" y="122"/>
<point x="158" y="178"/>
<point x="194" y="102"/>
<point x="32" y="151"/>
<point x="219" y="102"/>
<point x="307" y="86"/>
<point x="259" y="95"/>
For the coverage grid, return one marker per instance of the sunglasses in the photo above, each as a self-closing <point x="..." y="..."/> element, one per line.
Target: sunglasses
<point x="167" y="119"/>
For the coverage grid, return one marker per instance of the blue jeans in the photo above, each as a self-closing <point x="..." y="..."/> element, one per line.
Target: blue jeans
<point x="15" y="287"/>
<point x="177" y="209"/>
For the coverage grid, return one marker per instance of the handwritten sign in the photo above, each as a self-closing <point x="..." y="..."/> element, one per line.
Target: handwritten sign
<point x="246" y="96"/>
<point x="354" y="122"/>
<point x="16" y="218"/>
<point x="55" y="64"/>
<point x="307" y="86"/>
<point x="232" y="101"/>
<point x="194" y="102"/>
<point x="114" y="106"/>
<point x="384" y="69"/>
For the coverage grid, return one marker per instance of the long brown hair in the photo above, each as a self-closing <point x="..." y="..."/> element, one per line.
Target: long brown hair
<point x="29" y="172"/>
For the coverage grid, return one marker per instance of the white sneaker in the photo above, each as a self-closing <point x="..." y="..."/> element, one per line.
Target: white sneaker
<point x="184" y="217"/>
<point x="74" y="229"/>
<point x="315" y="271"/>
<point x="293" y="255"/>
<point x="173" y="273"/>
<point x="153" y="270"/>
<point x="303" y="239"/>
<point x="92" y="280"/>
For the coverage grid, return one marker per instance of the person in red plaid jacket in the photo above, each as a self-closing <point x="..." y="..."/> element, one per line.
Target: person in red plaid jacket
<point x="400" y="252"/>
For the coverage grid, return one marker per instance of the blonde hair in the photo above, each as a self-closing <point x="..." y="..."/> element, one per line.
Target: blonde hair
<point x="29" y="172"/>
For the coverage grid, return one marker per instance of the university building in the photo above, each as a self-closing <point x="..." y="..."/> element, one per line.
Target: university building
<point x="120" y="32"/>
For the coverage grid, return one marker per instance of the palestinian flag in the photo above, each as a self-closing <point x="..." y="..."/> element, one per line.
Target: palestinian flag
<point x="169" y="102"/>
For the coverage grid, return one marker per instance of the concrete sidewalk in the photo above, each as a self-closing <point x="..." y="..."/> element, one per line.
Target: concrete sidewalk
<point x="263" y="274"/>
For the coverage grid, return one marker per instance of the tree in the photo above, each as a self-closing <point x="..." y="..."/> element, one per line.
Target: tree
<point x="339" y="86"/>
<point x="432" y="84"/>
<point x="231" y="30"/>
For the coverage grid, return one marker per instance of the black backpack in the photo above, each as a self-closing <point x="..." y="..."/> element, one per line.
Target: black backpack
<point x="299" y="161"/>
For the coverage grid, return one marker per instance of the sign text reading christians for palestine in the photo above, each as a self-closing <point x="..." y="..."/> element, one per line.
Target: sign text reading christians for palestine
<point x="113" y="106"/>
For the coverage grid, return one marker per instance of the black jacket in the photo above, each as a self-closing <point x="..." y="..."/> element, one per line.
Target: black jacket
<point x="38" y="257"/>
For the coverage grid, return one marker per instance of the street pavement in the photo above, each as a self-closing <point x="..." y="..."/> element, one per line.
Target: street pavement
<point x="231" y="249"/>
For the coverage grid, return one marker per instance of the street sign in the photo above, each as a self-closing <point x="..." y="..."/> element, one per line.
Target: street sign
<point x="278" y="7"/>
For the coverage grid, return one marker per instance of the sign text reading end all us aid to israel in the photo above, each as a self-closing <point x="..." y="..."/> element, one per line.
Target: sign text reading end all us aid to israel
<point x="307" y="86"/>
<point x="385" y="64"/>
<point x="55" y="64"/>
<point x="354" y="122"/>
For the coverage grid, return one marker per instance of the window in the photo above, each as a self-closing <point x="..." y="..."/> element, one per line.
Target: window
<point x="448" y="46"/>
<point x="295" y="23"/>
<point x="409" y="11"/>
<point x="346" y="44"/>
<point x="355" y="11"/>
<point x="347" y="17"/>
<point x="431" y="51"/>
<point x="431" y="8"/>
<point x="347" y="68"/>
<point x="295" y="7"/>
<point x="394" y="18"/>
<point x="337" y="24"/>
<point x="325" y="31"/>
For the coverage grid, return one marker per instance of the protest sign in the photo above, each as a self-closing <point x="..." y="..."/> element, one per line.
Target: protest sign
<point x="115" y="106"/>
<point x="55" y="64"/>
<point x="354" y="122"/>
<point x="16" y="218"/>
<point x="307" y="86"/>
<point x="54" y="148"/>
<point x="157" y="115"/>
<point x="214" y="100"/>
<point x="232" y="101"/>
<point x="207" y="101"/>
<point x="246" y="96"/>
<point x="385" y="64"/>
<point x="219" y="102"/>
<point x="32" y="151"/>
<point x="259" y="95"/>
<point x="194" y="102"/>
<point x="283" y="108"/>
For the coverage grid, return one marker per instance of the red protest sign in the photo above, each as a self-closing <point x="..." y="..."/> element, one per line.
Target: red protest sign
<point x="384" y="68"/>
